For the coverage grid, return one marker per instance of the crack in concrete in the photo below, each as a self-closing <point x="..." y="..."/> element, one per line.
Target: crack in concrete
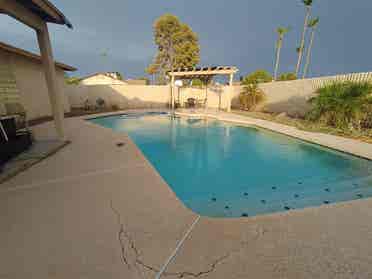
<point x="211" y="269"/>
<point x="127" y="243"/>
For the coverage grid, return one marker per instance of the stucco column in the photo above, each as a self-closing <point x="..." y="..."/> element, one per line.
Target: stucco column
<point x="54" y="91"/>
<point x="229" y="92"/>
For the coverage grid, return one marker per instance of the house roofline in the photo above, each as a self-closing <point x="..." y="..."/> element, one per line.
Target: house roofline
<point x="33" y="56"/>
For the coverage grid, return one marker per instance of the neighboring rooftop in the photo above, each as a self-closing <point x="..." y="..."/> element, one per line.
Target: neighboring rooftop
<point x="100" y="78"/>
<point x="30" y="55"/>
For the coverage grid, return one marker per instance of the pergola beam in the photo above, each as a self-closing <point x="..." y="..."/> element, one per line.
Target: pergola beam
<point x="209" y="72"/>
<point x="206" y="73"/>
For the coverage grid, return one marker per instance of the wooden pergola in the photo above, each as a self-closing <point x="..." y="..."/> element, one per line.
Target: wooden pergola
<point x="205" y="74"/>
<point x="36" y="14"/>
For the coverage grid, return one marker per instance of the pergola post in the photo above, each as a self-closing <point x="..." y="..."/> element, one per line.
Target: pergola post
<point x="172" y="92"/>
<point x="229" y="92"/>
<point x="55" y="94"/>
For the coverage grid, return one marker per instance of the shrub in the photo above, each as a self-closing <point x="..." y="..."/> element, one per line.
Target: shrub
<point x="250" y="97"/>
<point x="287" y="76"/>
<point x="115" y="107"/>
<point x="197" y="82"/>
<point x="258" y="76"/>
<point x="344" y="105"/>
<point x="100" y="103"/>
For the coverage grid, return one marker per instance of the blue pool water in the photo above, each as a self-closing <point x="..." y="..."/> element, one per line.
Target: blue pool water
<point x="223" y="170"/>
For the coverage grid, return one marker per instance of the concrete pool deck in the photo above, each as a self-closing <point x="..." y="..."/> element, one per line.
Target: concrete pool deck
<point x="96" y="210"/>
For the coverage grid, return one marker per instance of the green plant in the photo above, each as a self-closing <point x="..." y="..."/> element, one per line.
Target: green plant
<point x="251" y="96"/>
<point x="197" y="82"/>
<point x="256" y="77"/>
<point x="313" y="23"/>
<point x="344" y="105"/>
<point x="287" y="76"/>
<point x="115" y="107"/>
<point x="71" y="80"/>
<point x="300" y="49"/>
<point x="100" y="103"/>
<point x="119" y="76"/>
<point x="281" y="32"/>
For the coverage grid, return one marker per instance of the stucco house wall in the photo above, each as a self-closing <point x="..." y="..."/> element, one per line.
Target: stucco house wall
<point x="31" y="84"/>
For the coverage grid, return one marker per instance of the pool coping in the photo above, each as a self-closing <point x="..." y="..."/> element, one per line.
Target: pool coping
<point x="344" y="145"/>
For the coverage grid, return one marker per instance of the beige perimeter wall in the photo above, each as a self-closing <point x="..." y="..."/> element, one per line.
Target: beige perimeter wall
<point x="292" y="97"/>
<point x="142" y="96"/>
<point x="31" y="84"/>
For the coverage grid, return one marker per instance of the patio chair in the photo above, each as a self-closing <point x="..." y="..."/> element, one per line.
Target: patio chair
<point x="201" y="103"/>
<point x="191" y="103"/>
<point x="19" y="113"/>
<point x="12" y="142"/>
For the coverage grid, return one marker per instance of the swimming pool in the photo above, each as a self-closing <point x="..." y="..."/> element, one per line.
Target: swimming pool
<point x="219" y="169"/>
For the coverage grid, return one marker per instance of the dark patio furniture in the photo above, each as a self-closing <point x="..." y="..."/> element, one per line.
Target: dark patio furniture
<point x="191" y="103"/>
<point x="12" y="142"/>
<point x="18" y="111"/>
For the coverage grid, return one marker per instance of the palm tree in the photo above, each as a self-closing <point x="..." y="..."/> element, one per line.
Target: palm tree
<point x="281" y="32"/>
<point x="313" y="23"/>
<point x="300" y="51"/>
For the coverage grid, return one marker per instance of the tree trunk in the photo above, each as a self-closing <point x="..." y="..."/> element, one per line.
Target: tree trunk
<point x="277" y="58"/>
<point x="309" y="54"/>
<point x="302" y="45"/>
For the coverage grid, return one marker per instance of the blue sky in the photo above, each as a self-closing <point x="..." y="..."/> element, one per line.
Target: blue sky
<point x="238" y="32"/>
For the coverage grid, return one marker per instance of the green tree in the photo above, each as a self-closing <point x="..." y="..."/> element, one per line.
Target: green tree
<point x="313" y="23"/>
<point x="72" y="80"/>
<point x="300" y="49"/>
<point x="256" y="77"/>
<point x="287" y="76"/>
<point x="197" y="82"/>
<point x="281" y="32"/>
<point x="119" y="76"/>
<point x="178" y="46"/>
